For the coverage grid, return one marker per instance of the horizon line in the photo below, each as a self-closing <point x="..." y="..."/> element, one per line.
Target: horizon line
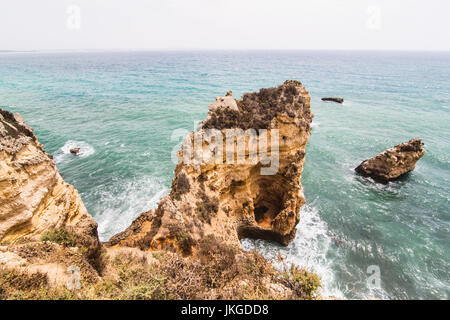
<point x="212" y="50"/>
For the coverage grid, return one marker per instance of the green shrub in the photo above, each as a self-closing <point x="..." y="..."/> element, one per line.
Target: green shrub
<point x="304" y="283"/>
<point x="137" y="280"/>
<point x="183" y="238"/>
<point x="257" y="109"/>
<point x="207" y="207"/>
<point x="61" y="237"/>
<point x="22" y="280"/>
<point x="180" y="186"/>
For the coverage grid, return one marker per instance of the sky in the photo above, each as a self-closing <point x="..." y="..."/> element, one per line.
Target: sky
<point x="224" y="24"/>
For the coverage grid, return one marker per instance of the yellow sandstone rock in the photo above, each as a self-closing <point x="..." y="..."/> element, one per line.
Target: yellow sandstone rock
<point x="33" y="196"/>
<point x="45" y="230"/>
<point x="232" y="199"/>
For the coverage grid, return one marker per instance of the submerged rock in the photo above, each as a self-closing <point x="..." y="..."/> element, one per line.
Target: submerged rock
<point x="333" y="99"/>
<point x="75" y="151"/>
<point x="392" y="163"/>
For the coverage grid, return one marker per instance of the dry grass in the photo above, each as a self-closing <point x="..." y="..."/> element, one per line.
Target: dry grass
<point x="216" y="271"/>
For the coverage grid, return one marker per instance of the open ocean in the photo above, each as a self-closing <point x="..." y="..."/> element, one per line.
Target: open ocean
<point x="122" y="108"/>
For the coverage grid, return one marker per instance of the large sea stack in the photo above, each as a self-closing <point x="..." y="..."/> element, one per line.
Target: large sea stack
<point x="233" y="201"/>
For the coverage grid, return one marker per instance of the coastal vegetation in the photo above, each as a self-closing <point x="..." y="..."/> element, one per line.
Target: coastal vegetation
<point x="219" y="273"/>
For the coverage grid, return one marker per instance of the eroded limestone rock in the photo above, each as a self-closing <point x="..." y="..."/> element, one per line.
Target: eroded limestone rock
<point x="227" y="102"/>
<point x="33" y="196"/>
<point x="233" y="201"/>
<point x="392" y="163"/>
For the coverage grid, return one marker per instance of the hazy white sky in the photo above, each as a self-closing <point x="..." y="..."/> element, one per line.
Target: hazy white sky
<point x="224" y="24"/>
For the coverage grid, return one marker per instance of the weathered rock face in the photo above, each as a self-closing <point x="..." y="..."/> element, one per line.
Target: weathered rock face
<point x="393" y="162"/>
<point x="211" y="205"/>
<point x="228" y="194"/>
<point x="33" y="196"/>
<point x="226" y="102"/>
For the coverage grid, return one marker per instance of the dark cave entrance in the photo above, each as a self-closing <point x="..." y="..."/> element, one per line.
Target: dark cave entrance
<point x="270" y="195"/>
<point x="267" y="203"/>
<point x="259" y="213"/>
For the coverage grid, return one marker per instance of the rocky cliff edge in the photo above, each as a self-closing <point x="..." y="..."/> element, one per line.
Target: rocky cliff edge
<point x="187" y="248"/>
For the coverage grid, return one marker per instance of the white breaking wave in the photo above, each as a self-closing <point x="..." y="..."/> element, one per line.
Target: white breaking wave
<point x="64" y="154"/>
<point x="123" y="201"/>
<point x="309" y="250"/>
<point x="347" y="103"/>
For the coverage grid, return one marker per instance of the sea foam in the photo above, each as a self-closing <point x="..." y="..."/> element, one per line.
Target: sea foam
<point x="308" y="250"/>
<point x="120" y="202"/>
<point x="63" y="154"/>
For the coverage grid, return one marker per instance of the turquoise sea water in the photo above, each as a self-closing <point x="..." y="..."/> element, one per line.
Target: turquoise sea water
<point x="123" y="107"/>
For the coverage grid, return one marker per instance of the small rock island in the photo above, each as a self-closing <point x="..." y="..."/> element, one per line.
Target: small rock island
<point x="75" y="151"/>
<point x="333" y="99"/>
<point x="392" y="163"/>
